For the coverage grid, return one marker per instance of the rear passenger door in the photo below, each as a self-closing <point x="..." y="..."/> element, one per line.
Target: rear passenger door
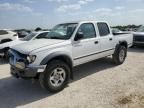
<point x="106" y="38"/>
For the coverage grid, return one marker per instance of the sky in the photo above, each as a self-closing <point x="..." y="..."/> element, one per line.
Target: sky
<point x="29" y="14"/>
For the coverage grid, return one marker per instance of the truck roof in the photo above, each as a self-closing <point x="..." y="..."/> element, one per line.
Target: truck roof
<point x="85" y="21"/>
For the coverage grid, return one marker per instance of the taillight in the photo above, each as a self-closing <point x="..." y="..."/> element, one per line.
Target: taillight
<point x="15" y="35"/>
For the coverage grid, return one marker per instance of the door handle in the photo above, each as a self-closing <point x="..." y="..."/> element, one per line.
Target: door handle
<point x="110" y="39"/>
<point x="96" y="42"/>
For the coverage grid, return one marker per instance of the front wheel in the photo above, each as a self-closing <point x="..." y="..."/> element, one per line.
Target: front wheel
<point x="120" y="55"/>
<point x="56" y="76"/>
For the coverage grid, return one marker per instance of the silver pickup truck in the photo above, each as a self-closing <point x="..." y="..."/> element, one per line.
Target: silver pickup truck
<point x="138" y="37"/>
<point x="67" y="45"/>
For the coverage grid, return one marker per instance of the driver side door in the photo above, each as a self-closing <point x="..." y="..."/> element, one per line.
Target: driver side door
<point x="84" y="50"/>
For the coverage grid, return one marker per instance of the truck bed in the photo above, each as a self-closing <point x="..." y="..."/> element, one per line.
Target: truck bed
<point x="128" y="37"/>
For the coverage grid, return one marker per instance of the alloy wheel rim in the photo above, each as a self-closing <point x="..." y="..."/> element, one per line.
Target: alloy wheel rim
<point x="122" y="55"/>
<point x="57" y="77"/>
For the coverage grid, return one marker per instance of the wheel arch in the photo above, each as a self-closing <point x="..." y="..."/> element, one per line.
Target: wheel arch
<point x="59" y="56"/>
<point x="123" y="43"/>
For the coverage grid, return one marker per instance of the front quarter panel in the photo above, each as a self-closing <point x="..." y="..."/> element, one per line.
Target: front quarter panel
<point x="49" y="53"/>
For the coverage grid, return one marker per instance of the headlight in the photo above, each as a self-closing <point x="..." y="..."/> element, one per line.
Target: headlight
<point x="20" y="65"/>
<point x="31" y="58"/>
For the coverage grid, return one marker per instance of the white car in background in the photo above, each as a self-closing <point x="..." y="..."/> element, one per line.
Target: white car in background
<point x="35" y="35"/>
<point x="116" y="31"/>
<point x="7" y="35"/>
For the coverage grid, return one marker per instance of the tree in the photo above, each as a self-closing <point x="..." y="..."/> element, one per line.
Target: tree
<point x="38" y="29"/>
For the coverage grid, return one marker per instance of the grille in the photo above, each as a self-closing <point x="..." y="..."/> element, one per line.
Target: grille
<point x="16" y="56"/>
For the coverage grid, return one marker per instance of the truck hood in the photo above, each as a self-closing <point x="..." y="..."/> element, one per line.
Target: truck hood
<point x="30" y="46"/>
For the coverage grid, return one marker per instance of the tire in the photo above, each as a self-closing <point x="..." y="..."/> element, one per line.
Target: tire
<point x="55" y="70"/>
<point x="120" y="55"/>
<point x="132" y="46"/>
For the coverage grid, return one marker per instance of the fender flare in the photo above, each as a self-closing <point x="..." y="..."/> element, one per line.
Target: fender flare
<point x="54" y="55"/>
<point x="65" y="57"/>
<point x="121" y="43"/>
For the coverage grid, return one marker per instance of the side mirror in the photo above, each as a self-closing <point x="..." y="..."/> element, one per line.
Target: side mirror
<point x="79" y="36"/>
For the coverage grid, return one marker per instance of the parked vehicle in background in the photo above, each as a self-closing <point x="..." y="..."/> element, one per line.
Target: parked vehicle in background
<point x="32" y="36"/>
<point x="22" y="32"/>
<point x="7" y="36"/>
<point x="116" y="30"/>
<point x="138" y="37"/>
<point x="52" y="59"/>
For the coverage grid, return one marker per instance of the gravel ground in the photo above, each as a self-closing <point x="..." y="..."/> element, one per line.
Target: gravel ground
<point x="99" y="84"/>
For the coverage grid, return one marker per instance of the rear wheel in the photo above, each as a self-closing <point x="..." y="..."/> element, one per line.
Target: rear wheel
<point x="56" y="76"/>
<point x="120" y="55"/>
<point x="132" y="46"/>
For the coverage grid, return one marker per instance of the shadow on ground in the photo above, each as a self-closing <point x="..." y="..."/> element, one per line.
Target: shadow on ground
<point x="136" y="49"/>
<point x="16" y="92"/>
<point x="92" y="68"/>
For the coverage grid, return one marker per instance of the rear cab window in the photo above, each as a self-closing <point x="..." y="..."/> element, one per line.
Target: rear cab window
<point x="103" y="29"/>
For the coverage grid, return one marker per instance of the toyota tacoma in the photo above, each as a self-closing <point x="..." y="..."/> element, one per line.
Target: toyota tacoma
<point x="67" y="45"/>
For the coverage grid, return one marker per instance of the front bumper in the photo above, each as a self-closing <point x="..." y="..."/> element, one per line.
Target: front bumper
<point x="21" y="68"/>
<point x="29" y="72"/>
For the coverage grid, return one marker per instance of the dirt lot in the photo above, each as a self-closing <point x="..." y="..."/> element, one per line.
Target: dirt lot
<point x="99" y="84"/>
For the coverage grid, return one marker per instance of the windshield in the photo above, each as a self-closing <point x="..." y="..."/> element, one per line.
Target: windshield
<point x="141" y="29"/>
<point x="62" y="31"/>
<point x="29" y="37"/>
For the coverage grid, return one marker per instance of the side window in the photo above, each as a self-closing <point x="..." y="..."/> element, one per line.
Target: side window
<point x="3" y="32"/>
<point x="42" y="35"/>
<point x="88" y="30"/>
<point x="103" y="29"/>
